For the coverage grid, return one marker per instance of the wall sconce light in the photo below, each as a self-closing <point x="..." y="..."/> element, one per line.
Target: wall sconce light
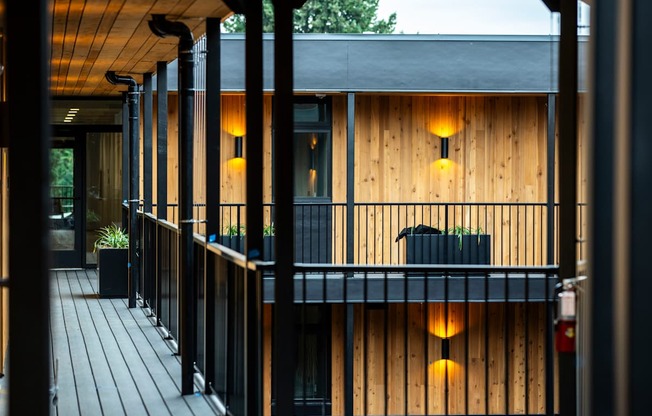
<point x="312" y="160"/>
<point x="445" y="348"/>
<point x="238" y="147"/>
<point x="444" y="147"/>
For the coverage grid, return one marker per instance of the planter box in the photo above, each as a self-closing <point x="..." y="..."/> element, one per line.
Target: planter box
<point x="237" y="243"/>
<point x="113" y="273"/>
<point x="445" y="249"/>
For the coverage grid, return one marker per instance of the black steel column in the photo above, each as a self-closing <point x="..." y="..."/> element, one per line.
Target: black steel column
<point x="134" y="192"/>
<point x="350" y="177"/>
<point x="254" y="214"/>
<point x="601" y="359"/>
<point x="350" y="225"/>
<point x="550" y="248"/>
<point x="639" y="308"/>
<point x="134" y="170"/>
<point x="213" y="181"/>
<point x="162" y="27"/>
<point x="187" y="282"/>
<point x="550" y="203"/>
<point x="568" y="70"/>
<point x="161" y="140"/>
<point x="28" y="95"/>
<point x="284" y="335"/>
<point x="147" y="142"/>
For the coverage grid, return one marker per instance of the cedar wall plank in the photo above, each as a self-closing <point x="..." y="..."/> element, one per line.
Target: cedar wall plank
<point x="497" y="153"/>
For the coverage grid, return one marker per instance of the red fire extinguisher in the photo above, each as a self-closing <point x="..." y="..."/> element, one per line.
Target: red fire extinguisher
<point x="566" y="334"/>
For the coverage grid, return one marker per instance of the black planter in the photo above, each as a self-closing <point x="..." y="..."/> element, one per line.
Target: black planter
<point x="237" y="243"/>
<point x="448" y="249"/>
<point x="113" y="272"/>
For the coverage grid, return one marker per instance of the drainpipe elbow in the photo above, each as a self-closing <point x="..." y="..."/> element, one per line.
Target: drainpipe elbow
<point x="163" y="27"/>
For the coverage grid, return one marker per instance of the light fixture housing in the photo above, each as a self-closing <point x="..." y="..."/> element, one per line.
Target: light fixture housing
<point x="238" y="146"/>
<point x="445" y="348"/>
<point x="444" y="147"/>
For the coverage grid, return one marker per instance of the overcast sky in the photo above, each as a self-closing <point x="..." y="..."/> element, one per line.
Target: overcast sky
<point x="479" y="17"/>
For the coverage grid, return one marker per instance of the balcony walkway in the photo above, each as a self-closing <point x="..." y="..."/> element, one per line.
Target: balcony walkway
<point x="111" y="359"/>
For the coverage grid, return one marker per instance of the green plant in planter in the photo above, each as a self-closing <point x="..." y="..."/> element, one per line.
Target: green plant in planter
<point x="234" y="230"/>
<point x="269" y="230"/>
<point x="111" y="236"/>
<point x="459" y="231"/>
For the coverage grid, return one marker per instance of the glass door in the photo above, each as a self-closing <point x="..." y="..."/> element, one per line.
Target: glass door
<point x="65" y="203"/>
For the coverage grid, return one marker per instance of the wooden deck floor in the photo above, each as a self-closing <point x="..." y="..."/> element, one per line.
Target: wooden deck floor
<point x="110" y="359"/>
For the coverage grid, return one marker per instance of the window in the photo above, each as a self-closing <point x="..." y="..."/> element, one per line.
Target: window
<point x="312" y="147"/>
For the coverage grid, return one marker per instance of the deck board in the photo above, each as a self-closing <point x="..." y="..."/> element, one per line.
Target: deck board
<point x="111" y="359"/>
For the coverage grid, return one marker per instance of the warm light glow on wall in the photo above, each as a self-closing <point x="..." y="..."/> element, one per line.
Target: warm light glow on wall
<point x="237" y="164"/>
<point x="443" y="124"/>
<point x="237" y="130"/>
<point x="441" y="368"/>
<point x="442" y="164"/>
<point x="438" y="327"/>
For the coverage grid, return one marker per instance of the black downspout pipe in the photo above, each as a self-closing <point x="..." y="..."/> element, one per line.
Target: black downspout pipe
<point x="162" y="27"/>
<point x="132" y="101"/>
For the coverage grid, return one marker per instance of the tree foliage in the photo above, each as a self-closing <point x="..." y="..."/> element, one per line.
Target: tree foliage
<point x="325" y="16"/>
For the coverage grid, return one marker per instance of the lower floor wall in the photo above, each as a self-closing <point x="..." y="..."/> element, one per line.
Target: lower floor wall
<point x="495" y="365"/>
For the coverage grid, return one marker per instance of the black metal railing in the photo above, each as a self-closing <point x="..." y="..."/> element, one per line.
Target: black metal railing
<point x="368" y="339"/>
<point x="518" y="232"/>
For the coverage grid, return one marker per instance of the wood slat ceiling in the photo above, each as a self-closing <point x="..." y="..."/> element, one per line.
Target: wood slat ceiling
<point x="90" y="37"/>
